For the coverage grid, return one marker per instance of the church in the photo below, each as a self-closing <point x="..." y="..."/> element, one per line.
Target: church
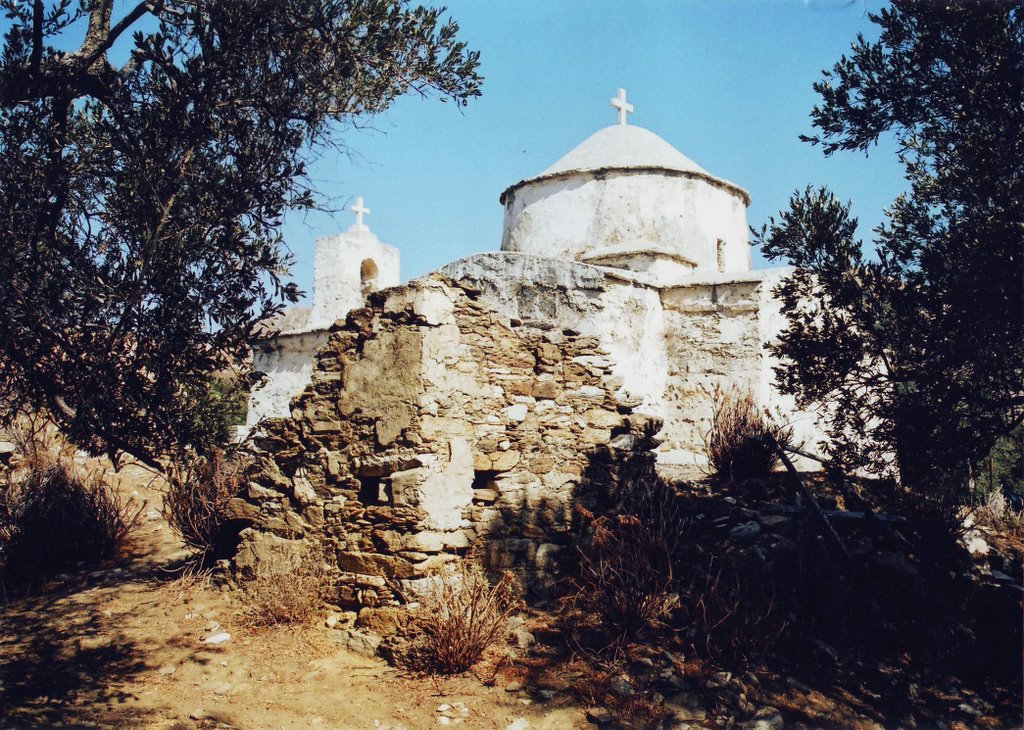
<point x="472" y="409"/>
<point x="624" y="238"/>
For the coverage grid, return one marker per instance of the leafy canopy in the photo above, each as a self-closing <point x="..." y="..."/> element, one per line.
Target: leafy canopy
<point x="917" y="350"/>
<point x="140" y="205"/>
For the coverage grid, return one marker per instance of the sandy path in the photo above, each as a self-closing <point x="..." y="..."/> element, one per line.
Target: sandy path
<point x="123" y="647"/>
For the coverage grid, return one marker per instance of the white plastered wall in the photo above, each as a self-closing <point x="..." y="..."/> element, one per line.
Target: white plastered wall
<point x="347" y="267"/>
<point x="574" y="215"/>
<point x="287" y="361"/>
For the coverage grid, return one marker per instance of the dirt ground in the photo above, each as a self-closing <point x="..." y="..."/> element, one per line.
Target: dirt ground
<point x="122" y="647"/>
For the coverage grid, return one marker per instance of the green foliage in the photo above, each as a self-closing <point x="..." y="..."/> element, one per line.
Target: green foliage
<point x="140" y="205"/>
<point x="218" y="405"/>
<point x="1003" y="468"/>
<point x="918" y="348"/>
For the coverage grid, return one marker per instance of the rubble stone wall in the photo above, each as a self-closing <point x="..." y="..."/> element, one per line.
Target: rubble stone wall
<point x="718" y="333"/>
<point x="432" y="428"/>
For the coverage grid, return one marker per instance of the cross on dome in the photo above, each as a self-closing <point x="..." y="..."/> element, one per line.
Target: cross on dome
<point x="359" y="210"/>
<point x="622" y="108"/>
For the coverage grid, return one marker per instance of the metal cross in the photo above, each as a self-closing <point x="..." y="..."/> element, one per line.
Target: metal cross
<point x="621" y="107"/>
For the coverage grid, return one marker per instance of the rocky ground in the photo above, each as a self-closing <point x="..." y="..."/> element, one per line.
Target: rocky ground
<point x="135" y="645"/>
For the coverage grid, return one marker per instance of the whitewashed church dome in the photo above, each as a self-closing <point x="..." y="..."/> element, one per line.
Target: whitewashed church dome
<point x="625" y="197"/>
<point x="623" y="146"/>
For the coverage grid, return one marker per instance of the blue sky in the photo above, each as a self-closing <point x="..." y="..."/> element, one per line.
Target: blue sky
<point x="727" y="82"/>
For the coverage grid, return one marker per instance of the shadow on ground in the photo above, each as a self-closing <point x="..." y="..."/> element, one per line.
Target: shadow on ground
<point x="66" y="656"/>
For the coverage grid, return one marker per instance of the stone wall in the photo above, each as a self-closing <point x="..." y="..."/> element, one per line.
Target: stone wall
<point x="671" y="347"/>
<point x="433" y="427"/>
<point x="718" y="329"/>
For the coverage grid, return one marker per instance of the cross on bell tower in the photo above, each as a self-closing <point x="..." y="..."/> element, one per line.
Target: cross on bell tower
<point x="360" y="210"/>
<point x="622" y="108"/>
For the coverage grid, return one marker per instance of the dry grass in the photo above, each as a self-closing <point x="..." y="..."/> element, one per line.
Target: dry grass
<point x="55" y="513"/>
<point x="624" y="583"/>
<point x="741" y="442"/>
<point x="287" y="588"/>
<point x="198" y="491"/>
<point x="996" y="512"/>
<point x="461" y="616"/>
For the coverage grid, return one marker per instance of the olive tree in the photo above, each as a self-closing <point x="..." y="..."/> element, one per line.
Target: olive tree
<point x="140" y="203"/>
<point x="916" y="342"/>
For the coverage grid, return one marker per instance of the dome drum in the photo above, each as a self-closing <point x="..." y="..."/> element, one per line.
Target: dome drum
<point x="626" y="198"/>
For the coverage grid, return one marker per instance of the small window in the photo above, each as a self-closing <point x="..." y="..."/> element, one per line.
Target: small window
<point x="372" y="491"/>
<point x="368" y="277"/>
<point x="720" y="254"/>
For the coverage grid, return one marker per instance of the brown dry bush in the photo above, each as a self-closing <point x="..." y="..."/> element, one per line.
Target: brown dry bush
<point x="288" y="587"/>
<point x="741" y="442"/>
<point x="461" y="616"/>
<point x="57" y="514"/>
<point x="623" y="584"/>
<point x="996" y="513"/>
<point x="199" y="489"/>
<point x="730" y="610"/>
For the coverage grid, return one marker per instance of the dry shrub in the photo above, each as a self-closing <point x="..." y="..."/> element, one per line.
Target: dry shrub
<point x="624" y="580"/>
<point x="741" y="442"/>
<point x="288" y="587"/>
<point x="729" y="610"/>
<point x="58" y="514"/>
<point x="199" y="489"/>
<point x="461" y="616"/>
<point x="997" y="513"/>
<point x="656" y="504"/>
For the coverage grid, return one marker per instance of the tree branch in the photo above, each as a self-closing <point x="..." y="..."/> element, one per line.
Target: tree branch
<point x="37" y="36"/>
<point x="102" y="46"/>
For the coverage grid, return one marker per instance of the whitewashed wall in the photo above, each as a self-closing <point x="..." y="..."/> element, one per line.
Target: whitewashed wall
<point x="287" y="361"/>
<point x="576" y="215"/>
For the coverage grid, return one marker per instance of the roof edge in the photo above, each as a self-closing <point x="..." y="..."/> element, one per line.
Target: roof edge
<point x="596" y="172"/>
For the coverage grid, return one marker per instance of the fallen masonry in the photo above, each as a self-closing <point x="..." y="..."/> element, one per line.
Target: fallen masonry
<point x="433" y="427"/>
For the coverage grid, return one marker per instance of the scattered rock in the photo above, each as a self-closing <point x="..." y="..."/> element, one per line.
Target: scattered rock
<point x="969" y="710"/>
<point x="718" y="679"/>
<point x="168" y="669"/>
<point x="975" y="543"/>
<point x="767" y="718"/>
<point x="524" y="639"/>
<point x="513" y="686"/>
<point x="359" y="642"/>
<point x="746" y="532"/>
<point x="827" y="650"/>
<point x="771" y="521"/>
<point x="520" y="723"/>
<point x="621" y="687"/>
<point x="599" y="716"/>
<point x="217" y="639"/>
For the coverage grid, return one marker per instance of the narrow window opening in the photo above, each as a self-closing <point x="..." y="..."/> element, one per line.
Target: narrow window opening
<point x="485" y="479"/>
<point x="371" y="491"/>
<point x="720" y="254"/>
<point x="368" y="273"/>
